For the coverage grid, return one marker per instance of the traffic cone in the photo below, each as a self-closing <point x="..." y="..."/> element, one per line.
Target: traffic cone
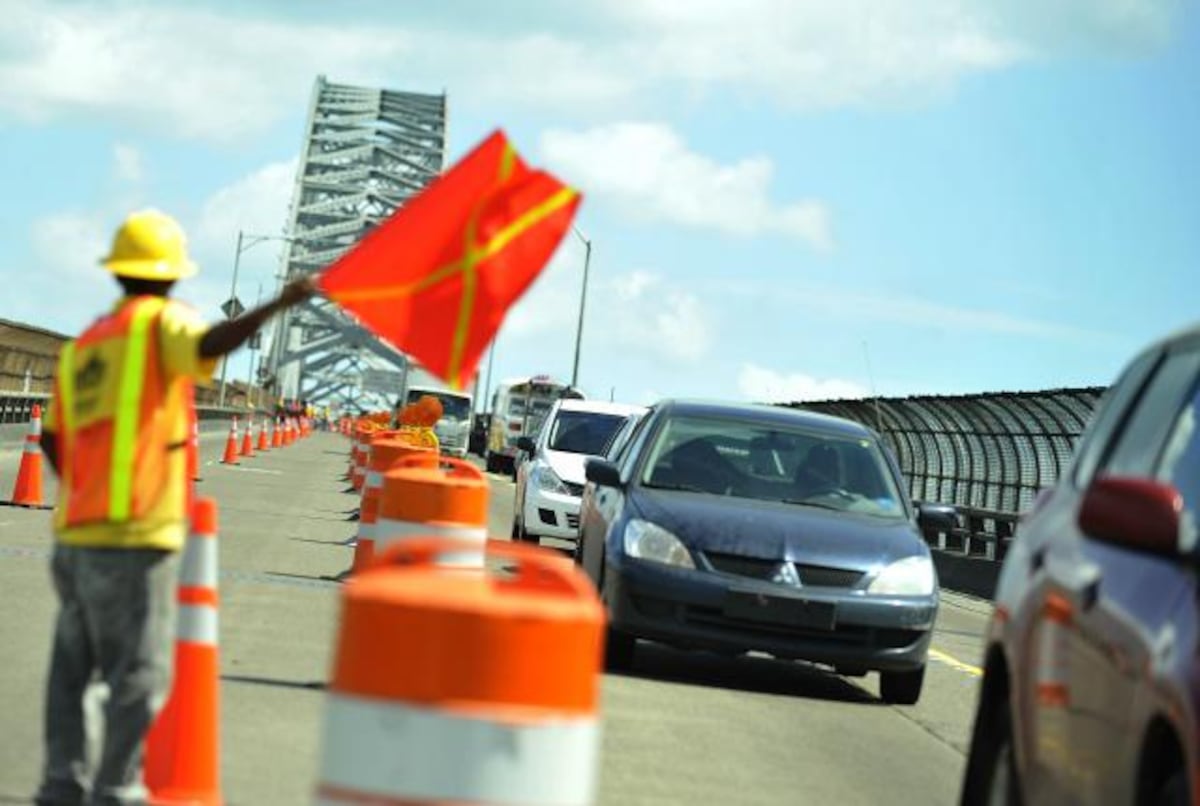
<point x="248" y="439"/>
<point x="276" y="434"/>
<point x="231" y="446"/>
<point x="263" y="442"/>
<point x="183" y="746"/>
<point x="27" y="492"/>
<point x="193" y="454"/>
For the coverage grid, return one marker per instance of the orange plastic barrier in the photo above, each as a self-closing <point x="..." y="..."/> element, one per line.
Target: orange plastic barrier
<point x="448" y="501"/>
<point x="386" y="453"/>
<point x="459" y="688"/>
<point x="183" y="746"/>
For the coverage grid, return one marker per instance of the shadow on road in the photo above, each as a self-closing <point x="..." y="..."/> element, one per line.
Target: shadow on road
<point x="312" y="685"/>
<point x="5" y="798"/>
<point x="752" y="674"/>
<point x="343" y="543"/>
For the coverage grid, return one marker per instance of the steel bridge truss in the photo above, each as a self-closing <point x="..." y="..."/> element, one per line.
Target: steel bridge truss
<point x="366" y="152"/>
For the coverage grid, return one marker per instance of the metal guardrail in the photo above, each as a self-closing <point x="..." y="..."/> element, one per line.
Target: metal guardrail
<point x="18" y="408"/>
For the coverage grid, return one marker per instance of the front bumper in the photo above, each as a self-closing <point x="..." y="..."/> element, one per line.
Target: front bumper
<point x="689" y="609"/>
<point x="549" y="514"/>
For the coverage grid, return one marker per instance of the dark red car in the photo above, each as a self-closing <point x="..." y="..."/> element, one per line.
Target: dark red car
<point x="1092" y="663"/>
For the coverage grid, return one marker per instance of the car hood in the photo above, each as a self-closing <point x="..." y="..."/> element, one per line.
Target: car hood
<point x="567" y="466"/>
<point x="774" y="530"/>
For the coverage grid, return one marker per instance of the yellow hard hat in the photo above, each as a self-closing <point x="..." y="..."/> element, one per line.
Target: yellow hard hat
<point x="150" y="245"/>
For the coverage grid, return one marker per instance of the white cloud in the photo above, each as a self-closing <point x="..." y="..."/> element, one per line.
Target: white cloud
<point x="256" y="204"/>
<point x="651" y="172"/>
<point x="771" y="386"/>
<point x="127" y="163"/>
<point x="918" y="312"/>
<point x="70" y="243"/>
<point x="220" y="75"/>
<point x="649" y="317"/>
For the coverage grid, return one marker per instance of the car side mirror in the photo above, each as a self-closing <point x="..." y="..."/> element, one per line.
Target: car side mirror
<point x="1135" y="513"/>
<point x="936" y="517"/>
<point x="602" y="472"/>
<point x="526" y="444"/>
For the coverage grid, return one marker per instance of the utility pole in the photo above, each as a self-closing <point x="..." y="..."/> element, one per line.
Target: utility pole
<point x="587" y="259"/>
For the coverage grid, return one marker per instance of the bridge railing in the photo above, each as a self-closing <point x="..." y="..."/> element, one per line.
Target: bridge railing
<point x="16" y="408"/>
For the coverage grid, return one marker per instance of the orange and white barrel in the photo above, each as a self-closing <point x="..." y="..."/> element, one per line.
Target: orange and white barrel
<point x="385" y="454"/>
<point x="457" y="688"/>
<point x="449" y="501"/>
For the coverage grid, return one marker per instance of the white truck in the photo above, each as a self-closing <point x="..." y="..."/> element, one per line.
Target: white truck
<point x="453" y="430"/>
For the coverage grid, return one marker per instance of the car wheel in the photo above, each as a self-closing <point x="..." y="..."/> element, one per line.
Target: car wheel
<point x="901" y="688"/>
<point x="1174" y="791"/>
<point x="619" y="650"/>
<point x="991" y="776"/>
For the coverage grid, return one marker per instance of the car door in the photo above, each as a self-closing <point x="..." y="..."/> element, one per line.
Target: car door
<point x="601" y="506"/>
<point x="1105" y="607"/>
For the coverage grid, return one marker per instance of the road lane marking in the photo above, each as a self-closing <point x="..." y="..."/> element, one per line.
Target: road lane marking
<point x="955" y="663"/>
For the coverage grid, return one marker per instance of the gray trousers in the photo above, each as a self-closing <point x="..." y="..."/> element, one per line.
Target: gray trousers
<point x="116" y="624"/>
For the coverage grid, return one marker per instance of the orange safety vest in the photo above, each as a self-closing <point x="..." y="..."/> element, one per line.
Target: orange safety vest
<point x="114" y="432"/>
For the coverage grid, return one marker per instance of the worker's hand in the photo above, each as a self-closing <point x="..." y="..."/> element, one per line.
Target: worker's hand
<point x="298" y="290"/>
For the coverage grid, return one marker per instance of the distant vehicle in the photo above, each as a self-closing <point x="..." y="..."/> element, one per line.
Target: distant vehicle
<point x="518" y="407"/>
<point x="477" y="444"/>
<point x="1091" y="684"/>
<point x="550" y="479"/>
<point x="454" y="428"/>
<point x="741" y="528"/>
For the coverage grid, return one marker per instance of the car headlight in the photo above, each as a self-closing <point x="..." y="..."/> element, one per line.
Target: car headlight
<point x="646" y="541"/>
<point x="912" y="576"/>
<point x="546" y="480"/>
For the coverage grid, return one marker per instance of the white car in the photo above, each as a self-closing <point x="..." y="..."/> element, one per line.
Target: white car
<point x="550" y="479"/>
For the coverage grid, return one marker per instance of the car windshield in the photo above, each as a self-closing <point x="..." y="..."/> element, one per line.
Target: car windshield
<point x="453" y="406"/>
<point x="747" y="459"/>
<point x="583" y="431"/>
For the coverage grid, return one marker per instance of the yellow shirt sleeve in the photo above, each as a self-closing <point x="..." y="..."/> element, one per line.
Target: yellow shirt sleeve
<point x="180" y="332"/>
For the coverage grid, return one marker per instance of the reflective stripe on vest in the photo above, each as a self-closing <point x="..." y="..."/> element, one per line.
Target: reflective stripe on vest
<point x="128" y="412"/>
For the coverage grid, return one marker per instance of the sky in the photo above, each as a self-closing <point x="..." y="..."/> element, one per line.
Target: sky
<point x="787" y="199"/>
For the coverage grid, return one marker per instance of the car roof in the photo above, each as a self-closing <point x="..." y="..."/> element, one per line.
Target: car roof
<point x="768" y="414"/>
<point x="600" y="407"/>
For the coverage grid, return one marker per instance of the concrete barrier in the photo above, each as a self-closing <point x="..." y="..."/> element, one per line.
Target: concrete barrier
<point x="975" y="576"/>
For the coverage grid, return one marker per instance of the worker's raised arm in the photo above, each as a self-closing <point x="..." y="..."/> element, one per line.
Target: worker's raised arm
<point x="227" y="336"/>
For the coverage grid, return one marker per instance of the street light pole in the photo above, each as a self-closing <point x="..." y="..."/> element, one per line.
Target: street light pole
<point x="587" y="259"/>
<point x="244" y="242"/>
<point x="237" y="258"/>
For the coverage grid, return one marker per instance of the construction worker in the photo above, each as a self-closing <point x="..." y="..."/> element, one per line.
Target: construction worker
<point x="117" y="434"/>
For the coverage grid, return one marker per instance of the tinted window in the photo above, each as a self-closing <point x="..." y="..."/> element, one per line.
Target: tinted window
<point x="1181" y="459"/>
<point x="582" y="431"/>
<point x="1109" y="412"/>
<point x="1141" y="443"/>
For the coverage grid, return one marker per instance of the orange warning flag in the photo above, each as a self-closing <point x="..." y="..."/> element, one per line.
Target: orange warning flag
<point x="437" y="278"/>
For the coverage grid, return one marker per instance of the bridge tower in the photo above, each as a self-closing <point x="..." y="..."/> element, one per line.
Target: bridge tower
<point x="366" y="152"/>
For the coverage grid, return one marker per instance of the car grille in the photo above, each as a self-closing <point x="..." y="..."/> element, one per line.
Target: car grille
<point x="574" y="489"/>
<point x="816" y="576"/>
<point x="850" y="634"/>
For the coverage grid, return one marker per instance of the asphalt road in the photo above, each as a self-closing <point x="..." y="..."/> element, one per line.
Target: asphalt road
<point x="680" y="729"/>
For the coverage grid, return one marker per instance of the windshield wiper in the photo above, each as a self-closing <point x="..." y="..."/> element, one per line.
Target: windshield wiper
<point x="808" y="502"/>
<point x="687" y="488"/>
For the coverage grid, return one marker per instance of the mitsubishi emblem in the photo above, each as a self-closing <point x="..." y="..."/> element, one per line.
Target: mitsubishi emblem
<point x="785" y="574"/>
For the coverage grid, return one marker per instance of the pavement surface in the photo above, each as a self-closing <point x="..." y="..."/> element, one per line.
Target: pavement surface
<point x="679" y="729"/>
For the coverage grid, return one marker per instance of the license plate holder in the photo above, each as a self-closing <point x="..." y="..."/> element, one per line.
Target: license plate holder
<point x="788" y="611"/>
